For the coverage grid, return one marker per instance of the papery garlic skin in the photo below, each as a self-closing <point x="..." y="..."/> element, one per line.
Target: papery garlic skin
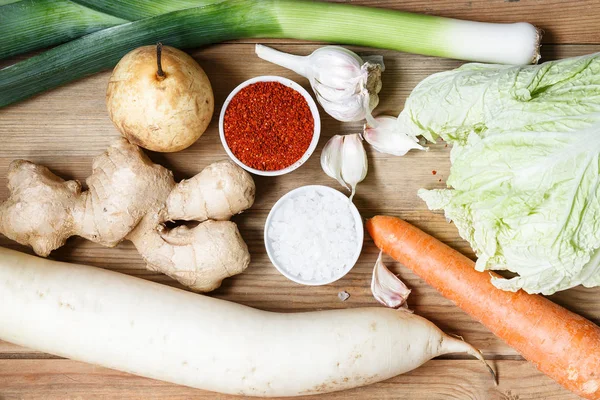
<point x="386" y="137"/>
<point x="343" y="295"/>
<point x="331" y="159"/>
<point x="386" y="287"/>
<point x="355" y="164"/>
<point x="346" y="86"/>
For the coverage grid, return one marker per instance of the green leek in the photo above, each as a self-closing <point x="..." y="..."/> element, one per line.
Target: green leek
<point x="133" y="10"/>
<point x="33" y="24"/>
<point x="36" y="24"/>
<point x="226" y="20"/>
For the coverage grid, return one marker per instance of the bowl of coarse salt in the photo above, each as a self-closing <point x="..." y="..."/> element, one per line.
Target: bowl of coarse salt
<point x="314" y="235"/>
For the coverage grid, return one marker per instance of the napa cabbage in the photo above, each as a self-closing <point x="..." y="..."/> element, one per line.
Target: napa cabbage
<point x="524" y="186"/>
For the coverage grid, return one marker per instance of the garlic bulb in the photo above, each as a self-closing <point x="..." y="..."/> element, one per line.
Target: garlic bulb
<point x="344" y="158"/>
<point x="387" y="288"/>
<point x="345" y="85"/>
<point x="386" y="137"/>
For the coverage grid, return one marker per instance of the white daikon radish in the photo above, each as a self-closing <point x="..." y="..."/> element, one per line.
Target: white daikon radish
<point x="132" y="325"/>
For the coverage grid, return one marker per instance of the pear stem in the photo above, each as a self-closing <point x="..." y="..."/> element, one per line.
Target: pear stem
<point x="159" y="72"/>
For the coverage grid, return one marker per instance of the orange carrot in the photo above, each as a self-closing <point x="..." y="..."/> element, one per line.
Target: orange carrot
<point x="561" y="344"/>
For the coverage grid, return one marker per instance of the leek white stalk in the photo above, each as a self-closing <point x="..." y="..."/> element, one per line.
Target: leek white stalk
<point x="386" y="136"/>
<point x="344" y="158"/>
<point x="493" y="43"/>
<point x="345" y="85"/>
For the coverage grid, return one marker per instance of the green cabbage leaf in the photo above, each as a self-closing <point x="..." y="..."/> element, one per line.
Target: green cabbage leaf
<point x="524" y="187"/>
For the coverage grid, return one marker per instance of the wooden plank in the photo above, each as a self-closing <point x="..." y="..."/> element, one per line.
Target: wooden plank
<point x="65" y="128"/>
<point x="444" y="379"/>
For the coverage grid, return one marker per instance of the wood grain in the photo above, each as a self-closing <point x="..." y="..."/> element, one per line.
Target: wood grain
<point x="438" y="379"/>
<point x="65" y="128"/>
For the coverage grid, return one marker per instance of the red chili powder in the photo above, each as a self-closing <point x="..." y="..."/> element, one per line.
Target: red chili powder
<point x="268" y="126"/>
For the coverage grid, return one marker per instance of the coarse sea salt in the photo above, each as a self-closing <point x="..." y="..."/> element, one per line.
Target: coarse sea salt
<point x="313" y="235"/>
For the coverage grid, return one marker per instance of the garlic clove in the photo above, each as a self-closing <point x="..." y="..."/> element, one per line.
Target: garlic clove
<point x="387" y="288"/>
<point x="331" y="159"/>
<point x="385" y="137"/>
<point x="334" y="95"/>
<point x="354" y="161"/>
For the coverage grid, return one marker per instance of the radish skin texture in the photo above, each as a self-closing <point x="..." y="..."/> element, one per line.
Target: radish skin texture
<point x="144" y="328"/>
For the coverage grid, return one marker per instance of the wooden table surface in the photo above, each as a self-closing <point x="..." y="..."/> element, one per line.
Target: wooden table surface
<point x="65" y="128"/>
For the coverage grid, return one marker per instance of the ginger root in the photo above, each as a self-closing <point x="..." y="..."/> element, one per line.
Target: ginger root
<point x="130" y="198"/>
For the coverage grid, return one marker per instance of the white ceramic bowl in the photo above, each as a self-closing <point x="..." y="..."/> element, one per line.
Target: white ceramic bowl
<point x="313" y="109"/>
<point x="358" y="223"/>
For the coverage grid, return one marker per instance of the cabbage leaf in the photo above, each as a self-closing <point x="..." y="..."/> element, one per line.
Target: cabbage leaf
<point x="524" y="187"/>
